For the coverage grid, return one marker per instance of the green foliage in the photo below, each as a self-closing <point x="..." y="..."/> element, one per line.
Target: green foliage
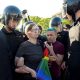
<point x="35" y="19"/>
<point x="44" y="22"/>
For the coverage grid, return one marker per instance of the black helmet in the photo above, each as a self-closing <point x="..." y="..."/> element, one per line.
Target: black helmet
<point x="11" y="12"/>
<point x="55" y="22"/>
<point x="69" y="4"/>
<point x="74" y="6"/>
<point x="72" y="2"/>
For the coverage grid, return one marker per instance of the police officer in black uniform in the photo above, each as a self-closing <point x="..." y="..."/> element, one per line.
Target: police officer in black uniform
<point x="11" y="19"/>
<point x="5" y="66"/>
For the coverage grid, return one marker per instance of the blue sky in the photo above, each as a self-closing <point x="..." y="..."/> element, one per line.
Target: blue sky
<point x="41" y="8"/>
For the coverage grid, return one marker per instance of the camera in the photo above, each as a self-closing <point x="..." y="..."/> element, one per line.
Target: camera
<point x="24" y="11"/>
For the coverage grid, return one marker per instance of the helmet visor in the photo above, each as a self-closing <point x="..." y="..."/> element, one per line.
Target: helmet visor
<point x="15" y="17"/>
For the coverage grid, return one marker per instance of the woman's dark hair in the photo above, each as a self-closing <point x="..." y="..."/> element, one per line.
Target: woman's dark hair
<point x="77" y="7"/>
<point x="70" y="12"/>
<point x="40" y="27"/>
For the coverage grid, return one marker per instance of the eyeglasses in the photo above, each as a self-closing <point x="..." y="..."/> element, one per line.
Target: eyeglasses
<point x="35" y="30"/>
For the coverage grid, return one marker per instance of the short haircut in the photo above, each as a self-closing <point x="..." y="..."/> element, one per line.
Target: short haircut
<point x="51" y="29"/>
<point x="29" y="27"/>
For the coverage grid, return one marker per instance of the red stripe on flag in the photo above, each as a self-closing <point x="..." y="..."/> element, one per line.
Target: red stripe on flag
<point x="46" y="52"/>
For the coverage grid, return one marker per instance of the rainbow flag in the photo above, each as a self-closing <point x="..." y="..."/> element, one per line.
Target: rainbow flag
<point x="43" y="72"/>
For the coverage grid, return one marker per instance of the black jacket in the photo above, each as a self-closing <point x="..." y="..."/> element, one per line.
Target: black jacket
<point x="13" y="40"/>
<point x="5" y="67"/>
<point x="63" y="37"/>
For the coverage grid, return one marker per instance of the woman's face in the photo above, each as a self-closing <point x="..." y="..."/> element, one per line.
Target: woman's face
<point x="77" y="14"/>
<point x="69" y="17"/>
<point x="34" y="32"/>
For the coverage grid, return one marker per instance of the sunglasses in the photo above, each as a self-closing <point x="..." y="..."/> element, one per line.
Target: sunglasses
<point x="34" y="30"/>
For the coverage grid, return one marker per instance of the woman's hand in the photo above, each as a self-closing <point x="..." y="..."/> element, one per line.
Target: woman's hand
<point x="25" y="69"/>
<point x="33" y="73"/>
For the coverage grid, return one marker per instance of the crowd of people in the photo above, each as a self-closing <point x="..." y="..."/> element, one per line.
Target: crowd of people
<point x="21" y="54"/>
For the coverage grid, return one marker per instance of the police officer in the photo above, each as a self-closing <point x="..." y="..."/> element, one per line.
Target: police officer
<point x="11" y="18"/>
<point x="5" y="67"/>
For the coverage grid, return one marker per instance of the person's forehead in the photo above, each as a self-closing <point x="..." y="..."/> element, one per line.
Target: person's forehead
<point x="35" y="27"/>
<point x="51" y="32"/>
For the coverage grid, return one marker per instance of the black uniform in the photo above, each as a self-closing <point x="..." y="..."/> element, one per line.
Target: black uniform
<point x="13" y="39"/>
<point x="5" y="67"/>
<point x="63" y="37"/>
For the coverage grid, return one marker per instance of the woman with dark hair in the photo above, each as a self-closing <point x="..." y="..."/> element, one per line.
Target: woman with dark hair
<point x="70" y="14"/>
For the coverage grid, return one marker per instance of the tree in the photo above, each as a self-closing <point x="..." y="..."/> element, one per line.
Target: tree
<point x="44" y="22"/>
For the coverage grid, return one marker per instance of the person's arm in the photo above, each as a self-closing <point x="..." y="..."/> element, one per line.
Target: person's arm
<point x="58" y="57"/>
<point x="25" y="69"/>
<point x="21" y="68"/>
<point x="19" y="61"/>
